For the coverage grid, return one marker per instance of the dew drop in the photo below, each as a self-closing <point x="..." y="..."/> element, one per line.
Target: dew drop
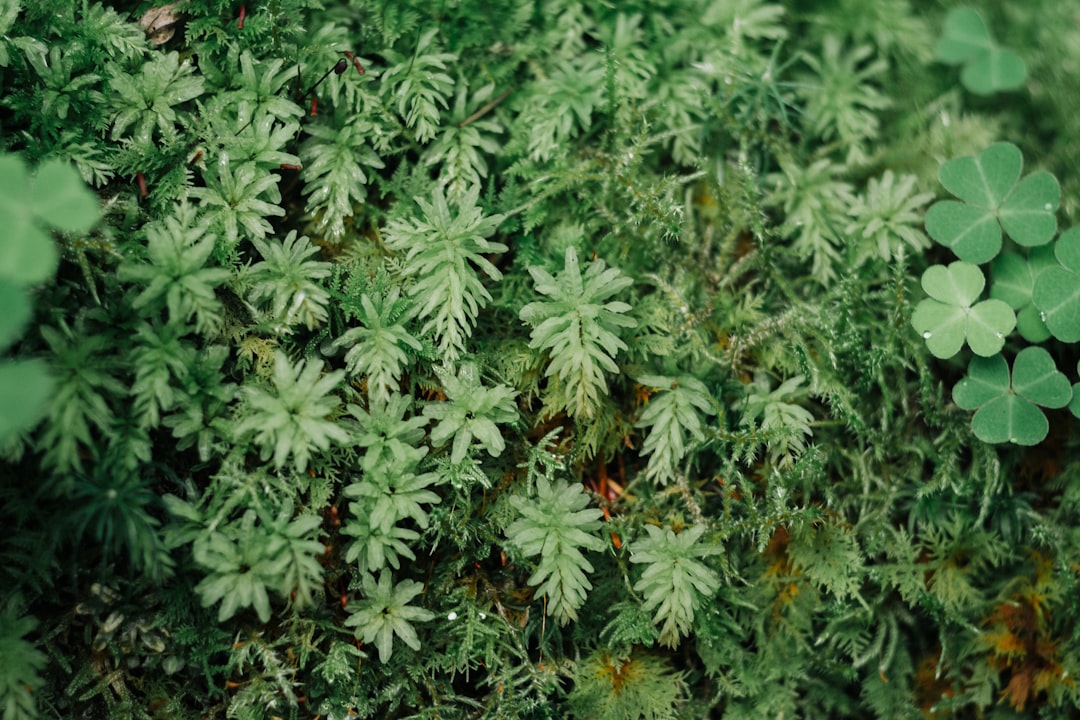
<point x="927" y="335"/>
<point x="482" y="616"/>
<point x="1048" y="206"/>
<point x="452" y="616"/>
<point x="998" y="335"/>
<point x="1042" y="316"/>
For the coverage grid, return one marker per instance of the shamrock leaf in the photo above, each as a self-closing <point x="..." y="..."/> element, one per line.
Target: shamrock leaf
<point x="1074" y="404"/>
<point x="1056" y="292"/>
<point x="988" y="68"/>
<point x="1013" y="281"/>
<point x="993" y="200"/>
<point x="55" y="197"/>
<point x="1006" y="411"/>
<point x="948" y="317"/>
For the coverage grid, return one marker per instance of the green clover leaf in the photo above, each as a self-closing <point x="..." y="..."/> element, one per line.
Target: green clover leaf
<point x="1056" y="291"/>
<point x="55" y="197"/>
<point x="988" y="68"/>
<point x="950" y="315"/>
<point x="1007" y="411"/>
<point x="993" y="200"/>
<point x="1013" y="282"/>
<point x="1074" y="404"/>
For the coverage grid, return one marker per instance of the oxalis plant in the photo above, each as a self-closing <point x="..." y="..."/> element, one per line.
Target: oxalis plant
<point x="1034" y="291"/>
<point x="538" y="359"/>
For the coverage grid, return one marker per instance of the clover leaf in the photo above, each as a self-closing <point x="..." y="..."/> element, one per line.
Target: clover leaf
<point x="55" y="197"/>
<point x="1013" y="281"/>
<point x="950" y="315"/>
<point x="1074" y="404"/>
<point x="988" y="68"/>
<point x="993" y="200"/>
<point x="1006" y="411"/>
<point x="1056" y="292"/>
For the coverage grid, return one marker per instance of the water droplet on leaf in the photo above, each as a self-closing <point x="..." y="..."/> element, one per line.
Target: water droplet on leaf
<point x="452" y="616"/>
<point x="927" y="335"/>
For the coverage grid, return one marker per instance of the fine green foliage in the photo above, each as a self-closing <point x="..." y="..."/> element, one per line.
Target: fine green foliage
<point x="471" y="411"/>
<point x="579" y="328"/>
<point x="994" y="198"/>
<point x="21" y="664"/>
<point x="294" y="418"/>
<point x="988" y="67"/>
<point x="1007" y="404"/>
<point x="675" y="582"/>
<point x="610" y="687"/>
<point x="674" y="417"/>
<point x="443" y="252"/>
<point x="174" y="277"/>
<point x="950" y="316"/>
<point x="377" y="348"/>
<point x="556" y="525"/>
<point x="501" y="359"/>
<point x="246" y="560"/>
<point x="288" y="278"/>
<point x="385" y="612"/>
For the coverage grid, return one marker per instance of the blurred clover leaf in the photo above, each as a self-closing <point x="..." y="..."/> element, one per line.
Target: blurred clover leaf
<point x="1074" y="404"/>
<point x="54" y="198"/>
<point x="950" y="315"/>
<point x="1007" y="411"/>
<point x="1056" y="292"/>
<point x="1013" y="282"/>
<point x="993" y="199"/>
<point x="988" y="68"/>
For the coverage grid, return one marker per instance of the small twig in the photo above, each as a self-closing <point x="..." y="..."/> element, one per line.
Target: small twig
<point x="485" y="110"/>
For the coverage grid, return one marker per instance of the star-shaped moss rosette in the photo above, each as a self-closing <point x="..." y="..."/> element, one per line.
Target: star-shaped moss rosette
<point x="1056" y="291"/>
<point x="1006" y="409"/>
<point x="1013" y="279"/>
<point x="950" y="316"/>
<point x="988" y="68"/>
<point x="992" y="198"/>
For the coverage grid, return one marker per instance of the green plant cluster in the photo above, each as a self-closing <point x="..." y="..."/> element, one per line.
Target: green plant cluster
<point x="537" y="359"/>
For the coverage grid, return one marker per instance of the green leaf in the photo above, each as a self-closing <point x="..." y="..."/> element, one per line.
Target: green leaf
<point x="557" y="525"/>
<point x="21" y="664"/>
<point x="25" y="388"/>
<point x="674" y="415"/>
<point x="987" y="183"/>
<point x="988" y="68"/>
<point x="445" y="253"/>
<point x="1056" y="291"/>
<point x="675" y="583"/>
<point x="385" y="613"/>
<point x="54" y="197"/>
<point x="16" y="312"/>
<point x="964" y="36"/>
<point x="996" y="70"/>
<point x="948" y="318"/>
<point x="295" y="418"/>
<point x="472" y="411"/>
<point x="579" y="329"/>
<point x="1074" y="404"/>
<point x="1006" y="410"/>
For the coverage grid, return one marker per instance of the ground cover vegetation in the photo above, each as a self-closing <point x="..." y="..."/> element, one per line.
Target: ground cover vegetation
<point x="539" y="358"/>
